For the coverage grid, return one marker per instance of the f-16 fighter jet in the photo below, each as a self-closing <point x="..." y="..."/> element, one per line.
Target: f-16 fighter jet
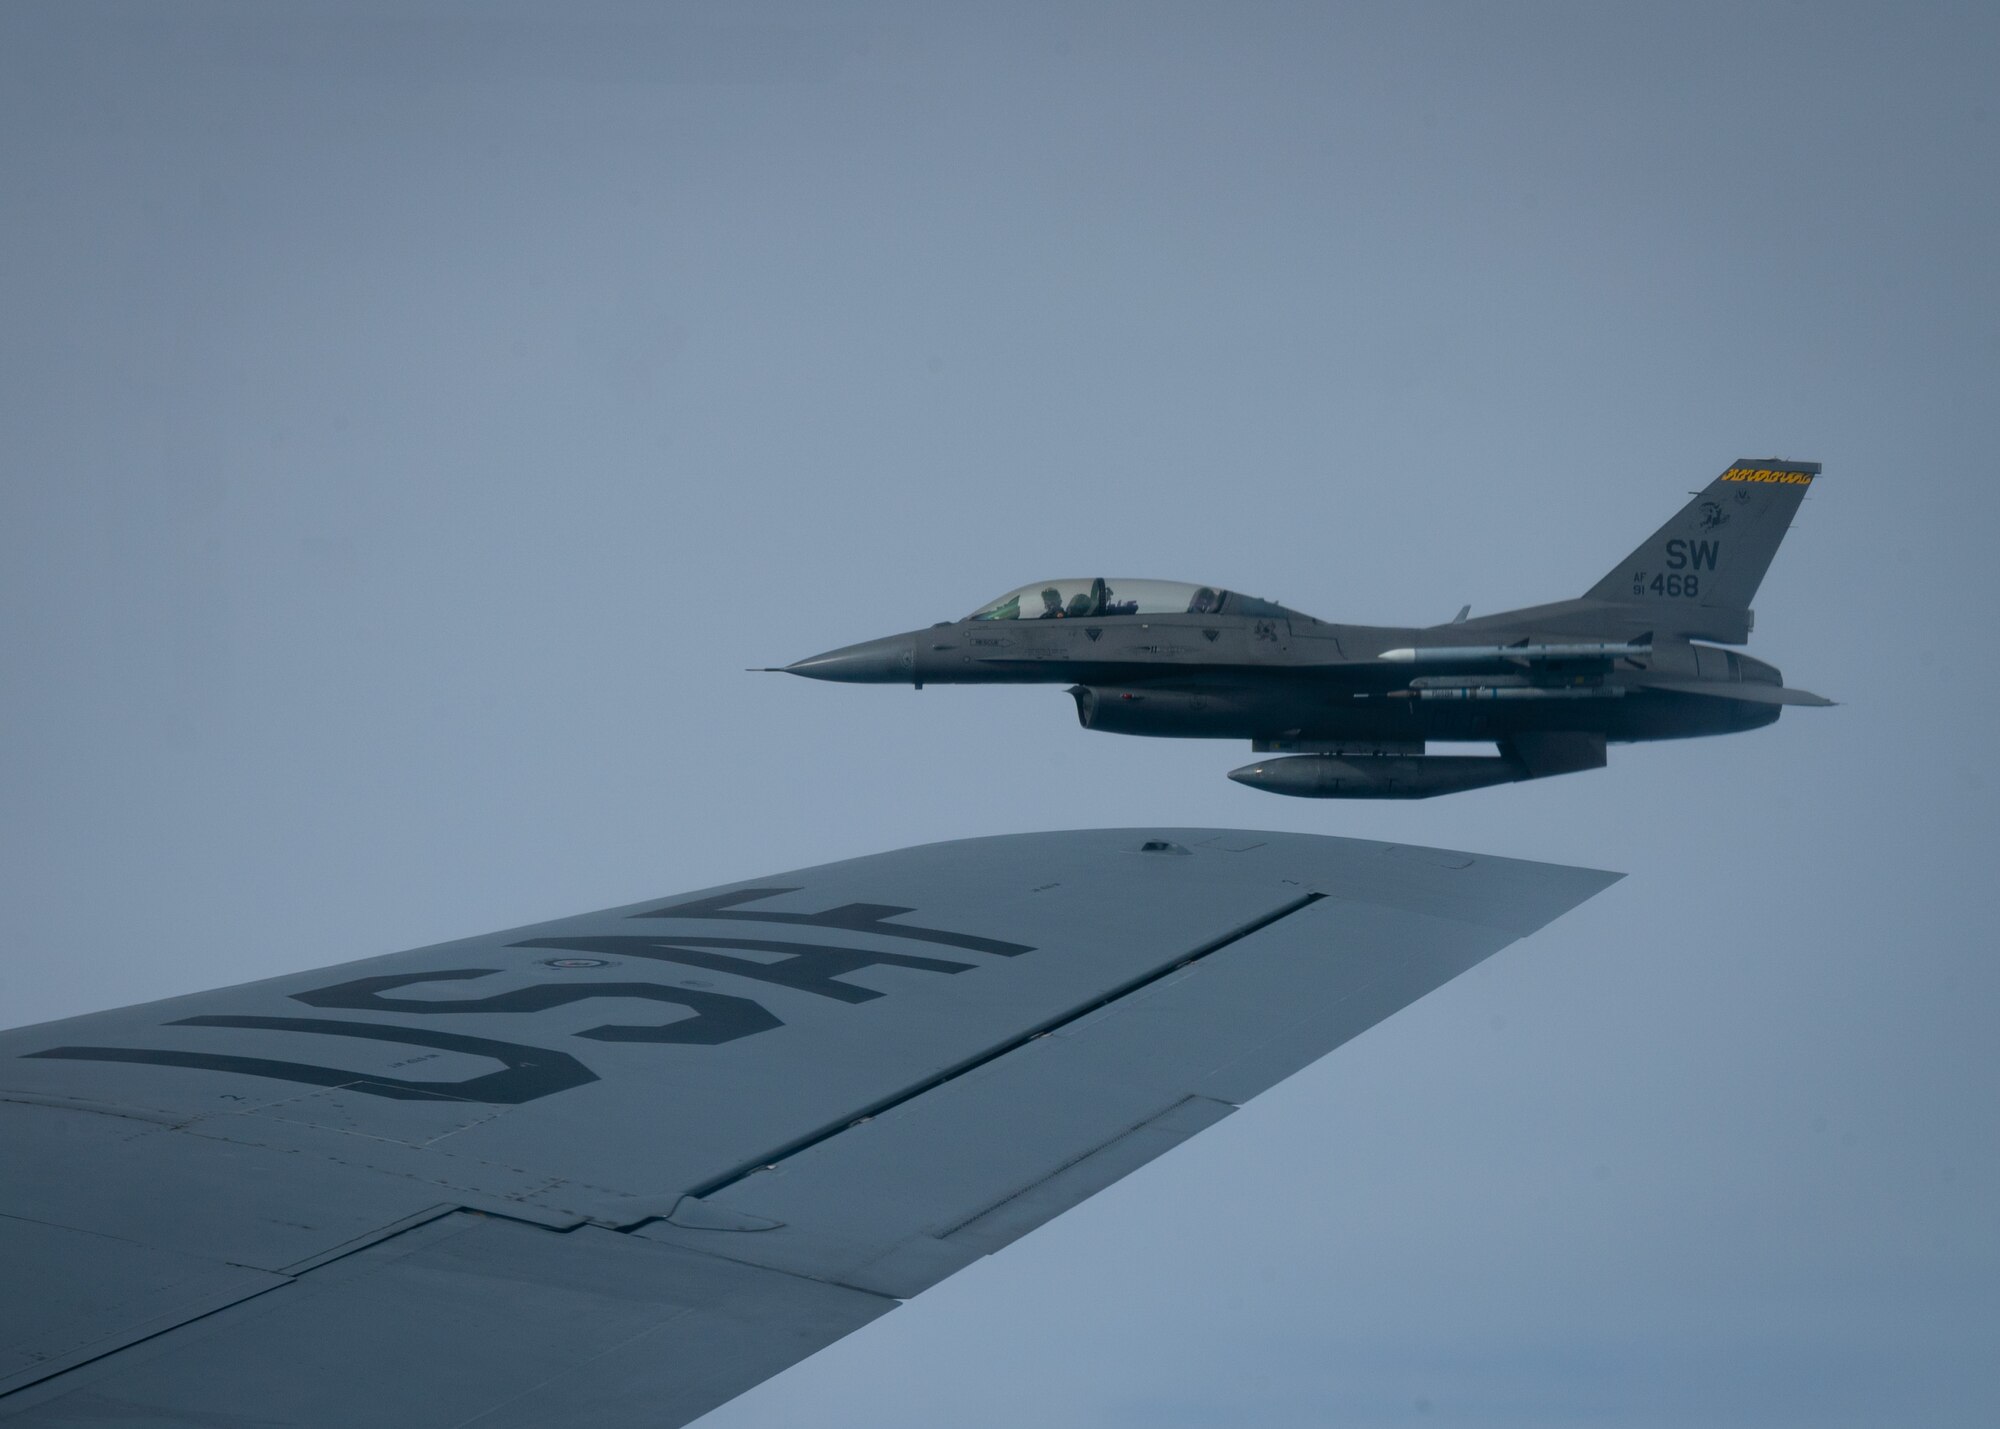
<point x="1353" y="709"/>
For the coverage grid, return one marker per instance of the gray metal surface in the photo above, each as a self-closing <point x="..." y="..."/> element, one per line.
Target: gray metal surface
<point x="472" y="1319"/>
<point x="1622" y="664"/>
<point x="648" y="1156"/>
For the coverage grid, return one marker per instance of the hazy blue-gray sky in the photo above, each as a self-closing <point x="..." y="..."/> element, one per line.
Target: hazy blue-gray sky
<point x="416" y="415"/>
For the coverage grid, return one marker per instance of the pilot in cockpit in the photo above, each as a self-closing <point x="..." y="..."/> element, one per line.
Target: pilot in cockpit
<point x="1052" y="605"/>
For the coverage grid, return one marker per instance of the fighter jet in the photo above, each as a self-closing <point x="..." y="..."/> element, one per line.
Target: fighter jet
<point x="1353" y="709"/>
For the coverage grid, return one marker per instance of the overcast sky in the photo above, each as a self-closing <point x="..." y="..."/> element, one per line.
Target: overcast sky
<point x="416" y="416"/>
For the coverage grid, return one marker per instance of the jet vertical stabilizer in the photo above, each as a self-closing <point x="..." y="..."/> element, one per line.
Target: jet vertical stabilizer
<point x="1703" y="567"/>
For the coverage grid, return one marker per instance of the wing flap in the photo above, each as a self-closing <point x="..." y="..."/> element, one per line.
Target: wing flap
<point x="93" y="1294"/>
<point x="470" y="1320"/>
<point x="275" y="1208"/>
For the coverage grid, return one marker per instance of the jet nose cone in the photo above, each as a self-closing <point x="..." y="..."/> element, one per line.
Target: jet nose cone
<point x="891" y="659"/>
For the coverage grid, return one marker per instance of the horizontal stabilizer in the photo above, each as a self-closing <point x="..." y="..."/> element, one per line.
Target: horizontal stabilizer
<point x="1737" y="690"/>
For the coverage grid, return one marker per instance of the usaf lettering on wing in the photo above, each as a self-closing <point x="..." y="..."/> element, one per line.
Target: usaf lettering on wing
<point x="531" y="1072"/>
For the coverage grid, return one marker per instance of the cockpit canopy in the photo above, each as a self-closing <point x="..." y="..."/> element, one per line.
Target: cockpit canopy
<point x="1095" y="597"/>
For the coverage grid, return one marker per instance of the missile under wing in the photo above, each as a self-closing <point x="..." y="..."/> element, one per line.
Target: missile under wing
<point x="617" y="1168"/>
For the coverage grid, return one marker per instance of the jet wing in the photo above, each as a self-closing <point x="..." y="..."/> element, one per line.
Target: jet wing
<point x="617" y="1168"/>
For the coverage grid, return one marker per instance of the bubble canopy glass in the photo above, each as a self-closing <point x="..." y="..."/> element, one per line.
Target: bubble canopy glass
<point x="1094" y="597"/>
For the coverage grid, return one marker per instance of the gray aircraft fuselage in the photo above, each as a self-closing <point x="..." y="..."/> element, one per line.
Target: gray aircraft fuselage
<point x="1550" y="685"/>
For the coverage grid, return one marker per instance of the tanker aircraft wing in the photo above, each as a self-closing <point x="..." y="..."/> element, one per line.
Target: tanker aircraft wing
<point x="615" y="1169"/>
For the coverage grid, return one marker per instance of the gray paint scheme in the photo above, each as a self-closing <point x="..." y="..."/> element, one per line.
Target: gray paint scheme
<point x="188" y="1245"/>
<point x="1358" y="703"/>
